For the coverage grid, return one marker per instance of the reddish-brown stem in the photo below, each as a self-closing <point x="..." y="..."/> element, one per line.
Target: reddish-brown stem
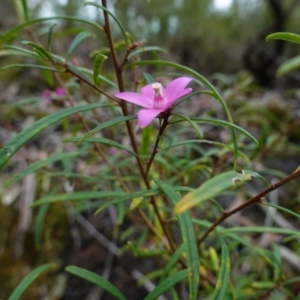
<point x="161" y="131"/>
<point x="255" y="199"/>
<point x="118" y="70"/>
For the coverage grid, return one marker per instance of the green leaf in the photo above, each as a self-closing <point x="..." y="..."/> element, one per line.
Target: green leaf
<point x="97" y="280"/>
<point x="187" y="142"/>
<point x="229" y="124"/>
<point x="116" y="20"/>
<point x="189" y="240"/>
<point x="147" y="134"/>
<point x="77" y="196"/>
<point x="291" y="281"/>
<point x="76" y="42"/>
<point x="12" y="32"/>
<point x="172" y="261"/>
<point x="123" y="198"/>
<point x="224" y="274"/>
<point x="98" y="62"/>
<point x="24" y="284"/>
<point x="31" y="66"/>
<point x="25" y="10"/>
<point x="38" y="165"/>
<point x="210" y="188"/>
<point x="40" y="219"/>
<point x="167" y="284"/>
<point x="146" y="49"/>
<point x="150" y="252"/>
<point x="100" y="77"/>
<point x="260" y="229"/>
<point x="286" y="36"/>
<point x="41" y="51"/>
<point x="105" y="125"/>
<point x="108" y="142"/>
<point x="17" y="52"/>
<point x="193" y="124"/>
<point x="289" y="66"/>
<point x="28" y="133"/>
<point x="78" y="71"/>
<point x="50" y="31"/>
<point x="149" y="79"/>
<point x="263" y="284"/>
<point x="282" y="209"/>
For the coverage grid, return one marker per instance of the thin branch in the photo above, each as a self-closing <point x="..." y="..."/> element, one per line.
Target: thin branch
<point x="255" y="199"/>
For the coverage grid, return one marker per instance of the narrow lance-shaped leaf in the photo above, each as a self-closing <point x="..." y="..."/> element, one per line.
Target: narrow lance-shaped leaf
<point x="40" y="220"/>
<point x="172" y="261"/>
<point x="98" y="62"/>
<point x="224" y="274"/>
<point x="149" y="79"/>
<point x="50" y="32"/>
<point x="24" y="284"/>
<point x="107" y="124"/>
<point x="76" y="42"/>
<point x="211" y="188"/>
<point x="38" y="165"/>
<point x="25" y="9"/>
<point x="28" y="133"/>
<point x="12" y="32"/>
<point x="189" y="239"/>
<point x="107" y="11"/>
<point x="77" y="71"/>
<point x="77" y="196"/>
<point x="146" y="49"/>
<point x="289" y="66"/>
<point x="286" y="36"/>
<point x="31" y="66"/>
<point x="97" y="280"/>
<point x="167" y="284"/>
<point x="41" y="51"/>
<point x="101" y="141"/>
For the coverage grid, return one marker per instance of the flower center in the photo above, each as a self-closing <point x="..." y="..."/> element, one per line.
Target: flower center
<point x="159" y="101"/>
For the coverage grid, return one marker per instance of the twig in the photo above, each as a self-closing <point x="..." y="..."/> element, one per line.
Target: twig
<point x="255" y="199"/>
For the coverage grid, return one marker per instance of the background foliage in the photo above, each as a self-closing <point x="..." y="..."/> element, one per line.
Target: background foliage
<point x="254" y="254"/>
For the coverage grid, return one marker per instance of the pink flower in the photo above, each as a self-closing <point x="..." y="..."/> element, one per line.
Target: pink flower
<point x="155" y="99"/>
<point x="59" y="91"/>
<point x="47" y="95"/>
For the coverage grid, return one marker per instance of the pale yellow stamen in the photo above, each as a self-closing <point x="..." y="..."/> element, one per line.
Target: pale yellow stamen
<point x="159" y="100"/>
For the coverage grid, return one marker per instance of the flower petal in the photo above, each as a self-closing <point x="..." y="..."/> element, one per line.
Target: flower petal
<point x="146" y="116"/>
<point x="175" y="88"/>
<point x="135" y="98"/>
<point x="179" y="95"/>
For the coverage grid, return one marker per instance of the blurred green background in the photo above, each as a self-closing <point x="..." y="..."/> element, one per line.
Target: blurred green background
<point x="207" y="35"/>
